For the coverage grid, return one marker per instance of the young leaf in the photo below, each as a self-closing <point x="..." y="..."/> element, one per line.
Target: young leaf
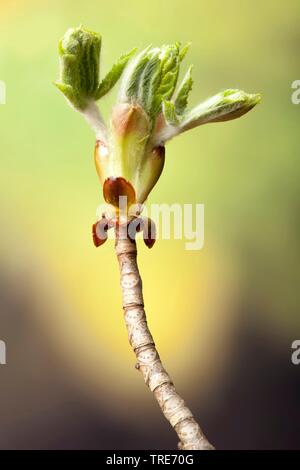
<point x="150" y="81"/>
<point x="113" y="75"/>
<point x="227" y="105"/>
<point x="152" y="77"/>
<point x="79" y="52"/>
<point x="131" y="81"/>
<point x="169" y="113"/>
<point x="169" y="69"/>
<point x="224" y="106"/>
<point x="69" y="93"/>
<point x="181" y="98"/>
<point x="184" y="51"/>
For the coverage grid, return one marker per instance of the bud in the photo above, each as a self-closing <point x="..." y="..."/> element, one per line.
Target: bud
<point x="151" y="109"/>
<point x="130" y="120"/>
<point x="129" y="166"/>
<point x="130" y="129"/>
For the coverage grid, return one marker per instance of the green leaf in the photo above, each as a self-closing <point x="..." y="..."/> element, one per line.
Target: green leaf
<point x="132" y="80"/>
<point x="79" y="52"/>
<point x="169" y="57"/>
<point x="169" y="113"/>
<point x="184" y="51"/>
<point x="169" y="71"/>
<point x="152" y="77"/>
<point x="225" y="106"/>
<point x="150" y="81"/>
<point x="181" y="98"/>
<point x="113" y="75"/>
<point x="69" y="93"/>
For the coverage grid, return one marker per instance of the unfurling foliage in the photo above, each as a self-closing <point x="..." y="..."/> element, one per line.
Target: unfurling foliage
<point x="151" y="108"/>
<point x="79" y="52"/>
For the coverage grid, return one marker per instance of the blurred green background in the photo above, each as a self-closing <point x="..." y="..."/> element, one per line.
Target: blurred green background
<point x="223" y="317"/>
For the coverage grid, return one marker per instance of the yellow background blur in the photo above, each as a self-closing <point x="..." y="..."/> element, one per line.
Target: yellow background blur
<point x="61" y="313"/>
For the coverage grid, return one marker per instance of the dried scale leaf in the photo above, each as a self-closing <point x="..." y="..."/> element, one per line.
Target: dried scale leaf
<point x="99" y="231"/>
<point x="116" y="188"/>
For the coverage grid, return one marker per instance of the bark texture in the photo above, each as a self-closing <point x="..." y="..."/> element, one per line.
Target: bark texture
<point x="149" y="364"/>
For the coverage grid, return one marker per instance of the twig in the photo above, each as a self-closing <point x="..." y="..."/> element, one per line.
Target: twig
<point x="148" y="361"/>
<point x="129" y="157"/>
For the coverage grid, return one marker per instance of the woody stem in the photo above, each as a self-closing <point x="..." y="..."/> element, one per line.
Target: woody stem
<point x="149" y="363"/>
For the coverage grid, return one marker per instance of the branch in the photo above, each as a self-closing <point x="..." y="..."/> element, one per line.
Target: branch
<point x="156" y="377"/>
